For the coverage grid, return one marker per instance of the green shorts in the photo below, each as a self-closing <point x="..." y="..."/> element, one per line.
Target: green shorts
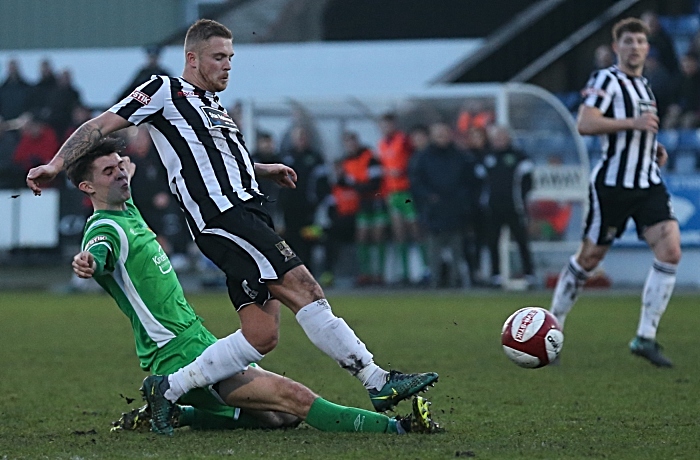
<point x="401" y="203"/>
<point x="181" y="351"/>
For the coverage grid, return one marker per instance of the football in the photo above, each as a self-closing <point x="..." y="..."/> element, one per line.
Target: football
<point x="531" y="337"/>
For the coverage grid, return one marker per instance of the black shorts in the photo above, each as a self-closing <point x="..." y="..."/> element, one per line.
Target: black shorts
<point x="609" y="208"/>
<point x="243" y="243"/>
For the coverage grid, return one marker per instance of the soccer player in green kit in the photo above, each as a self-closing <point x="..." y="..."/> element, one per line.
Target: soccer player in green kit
<point x="121" y="253"/>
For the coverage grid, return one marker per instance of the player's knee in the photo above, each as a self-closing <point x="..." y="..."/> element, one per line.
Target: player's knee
<point x="297" y="394"/>
<point x="589" y="261"/>
<point x="670" y="255"/>
<point x="265" y="342"/>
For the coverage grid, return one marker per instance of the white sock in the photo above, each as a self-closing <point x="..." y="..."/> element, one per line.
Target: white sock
<point x="657" y="292"/>
<point x="372" y="376"/>
<point x="569" y="285"/>
<point x="221" y="360"/>
<point x="334" y="337"/>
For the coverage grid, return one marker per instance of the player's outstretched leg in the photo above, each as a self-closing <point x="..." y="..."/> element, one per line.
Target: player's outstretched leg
<point x="400" y="386"/>
<point x="650" y="350"/>
<point x="153" y="391"/>
<point x="420" y="420"/>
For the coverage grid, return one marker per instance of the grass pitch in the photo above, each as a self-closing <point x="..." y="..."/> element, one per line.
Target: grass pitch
<point x="69" y="369"/>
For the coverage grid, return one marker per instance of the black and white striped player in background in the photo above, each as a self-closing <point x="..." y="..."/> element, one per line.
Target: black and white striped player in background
<point x="212" y="176"/>
<point x="618" y="105"/>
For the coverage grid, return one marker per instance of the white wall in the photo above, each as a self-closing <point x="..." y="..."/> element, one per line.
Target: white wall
<point x="267" y="70"/>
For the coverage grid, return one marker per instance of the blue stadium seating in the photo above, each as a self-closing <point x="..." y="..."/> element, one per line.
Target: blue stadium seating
<point x="682" y="29"/>
<point x="669" y="139"/>
<point x="689" y="139"/>
<point x="681" y="26"/>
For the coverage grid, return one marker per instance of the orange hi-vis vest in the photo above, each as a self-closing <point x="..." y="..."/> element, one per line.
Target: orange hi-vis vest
<point x="347" y="199"/>
<point x="394" y="154"/>
<point x="357" y="166"/>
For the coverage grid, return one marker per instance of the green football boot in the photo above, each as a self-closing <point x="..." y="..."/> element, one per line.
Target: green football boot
<point x="400" y="386"/>
<point x="650" y="350"/>
<point x="139" y="419"/>
<point x="420" y="420"/>
<point x="153" y="391"/>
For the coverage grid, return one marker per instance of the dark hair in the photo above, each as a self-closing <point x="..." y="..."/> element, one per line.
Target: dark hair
<point x="632" y="25"/>
<point x="419" y="128"/>
<point x="351" y="136"/>
<point x="203" y="30"/>
<point x="263" y="135"/>
<point x="80" y="168"/>
<point x="389" y="116"/>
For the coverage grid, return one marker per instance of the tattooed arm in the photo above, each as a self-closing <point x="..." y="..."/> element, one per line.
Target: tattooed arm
<point x="81" y="141"/>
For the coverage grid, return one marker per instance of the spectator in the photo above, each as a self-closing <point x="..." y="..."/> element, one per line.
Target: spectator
<point x="443" y="182"/>
<point x="153" y="197"/>
<point x="395" y="154"/>
<point x="37" y="144"/>
<point x="661" y="41"/>
<point x="695" y="44"/>
<point x="684" y="112"/>
<point x="152" y="67"/>
<point x="340" y="209"/>
<point x="61" y="102"/>
<point x="14" y="93"/>
<point x="40" y="92"/>
<point x="474" y="114"/>
<point x="266" y="152"/>
<point x="362" y="172"/>
<point x="80" y="115"/>
<point x="10" y="174"/>
<point x="510" y="175"/>
<point x="661" y="80"/>
<point x="478" y="227"/>
<point x="299" y="206"/>
<point x="419" y="137"/>
<point x="603" y="57"/>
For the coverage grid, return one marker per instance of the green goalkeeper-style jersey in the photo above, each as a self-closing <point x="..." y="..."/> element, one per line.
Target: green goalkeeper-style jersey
<point x="133" y="268"/>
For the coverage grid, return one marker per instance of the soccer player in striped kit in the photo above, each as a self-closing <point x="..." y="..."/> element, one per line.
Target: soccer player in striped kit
<point x="619" y="106"/>
<point x="211" y="174"/>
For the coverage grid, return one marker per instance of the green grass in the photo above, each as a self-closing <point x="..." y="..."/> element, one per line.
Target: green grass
<point x="67" y="361"/>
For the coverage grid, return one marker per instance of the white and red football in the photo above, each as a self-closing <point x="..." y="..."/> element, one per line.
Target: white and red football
<point x="531" y="337"/>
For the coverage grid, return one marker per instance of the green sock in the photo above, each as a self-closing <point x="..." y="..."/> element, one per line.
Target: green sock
<point x="381" y="257"/>
<point x="363" y="255"/>
<point x="327" y="416"/>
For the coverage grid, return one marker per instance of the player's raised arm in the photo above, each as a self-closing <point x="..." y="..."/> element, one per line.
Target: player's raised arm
<point x="82" y="140"/>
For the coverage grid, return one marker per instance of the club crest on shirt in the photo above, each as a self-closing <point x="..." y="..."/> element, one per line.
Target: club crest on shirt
<point x="646" y="105"/>
<point x="140" y="97"/>
<point x="285" y="250"/>
<point x="218" y="118"/>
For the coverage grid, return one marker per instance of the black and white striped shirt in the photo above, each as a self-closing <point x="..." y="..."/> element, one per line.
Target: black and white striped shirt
<point x="209" y="167"/>
<point x="628" y="157"/>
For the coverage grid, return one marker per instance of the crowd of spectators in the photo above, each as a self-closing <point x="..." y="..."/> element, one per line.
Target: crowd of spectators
<point x="434" y="180"/>
<point x="35" y="118"/>
<point x="405" y="196"/>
